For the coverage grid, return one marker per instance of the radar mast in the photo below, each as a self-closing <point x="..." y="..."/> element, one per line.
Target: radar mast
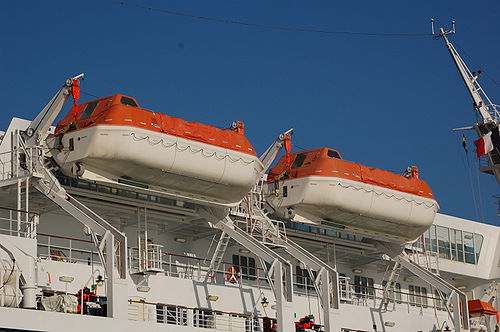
<point x="489" y="112"/>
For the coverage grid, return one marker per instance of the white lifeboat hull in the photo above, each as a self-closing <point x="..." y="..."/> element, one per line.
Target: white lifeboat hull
<point x="373" y="211"/>
<point x="175" y="165"/>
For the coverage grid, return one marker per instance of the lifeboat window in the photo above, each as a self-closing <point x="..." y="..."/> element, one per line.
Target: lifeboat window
<point x="299" y="160"/>
<point x="89" y="109"/>
<point x="333" y="154"/>
<point x="128" y="101"/>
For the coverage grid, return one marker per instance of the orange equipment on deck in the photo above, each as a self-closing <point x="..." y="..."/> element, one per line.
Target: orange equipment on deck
<point x="478" y="308"/>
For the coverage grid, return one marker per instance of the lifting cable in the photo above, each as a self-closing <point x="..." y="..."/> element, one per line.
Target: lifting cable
<point x="481" y="207"/>
<point x="265" y="26"/>
<point x="473" y="192"/>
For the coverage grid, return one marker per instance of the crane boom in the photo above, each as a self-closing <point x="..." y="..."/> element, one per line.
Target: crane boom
<point x="482" y="103"/>
<point x="489" y="111"/>
<point x="40" y="126"/>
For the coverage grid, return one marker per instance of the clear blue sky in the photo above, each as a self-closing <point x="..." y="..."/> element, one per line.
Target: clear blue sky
<point x="386" y="102"/>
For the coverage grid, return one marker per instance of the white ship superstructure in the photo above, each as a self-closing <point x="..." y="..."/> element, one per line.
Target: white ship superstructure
<point x="167" y="287"/>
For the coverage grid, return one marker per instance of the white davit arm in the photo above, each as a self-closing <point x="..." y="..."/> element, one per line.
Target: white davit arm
<point x="40" y="126"/>
<point x="481" y="101"/>
<point x="267" y="158"/>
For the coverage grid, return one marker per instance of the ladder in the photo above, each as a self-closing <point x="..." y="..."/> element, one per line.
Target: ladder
<point x="391" y="282"/>
<point x="325" y="282"/>
<point x="220" y="250"/>
<point x="455" y="298"/>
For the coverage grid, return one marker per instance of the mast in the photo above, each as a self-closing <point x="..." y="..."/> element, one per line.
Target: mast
<point x="489" y="112"/>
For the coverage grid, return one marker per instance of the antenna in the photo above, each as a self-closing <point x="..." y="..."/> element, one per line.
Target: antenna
<point x="443" y="32"/>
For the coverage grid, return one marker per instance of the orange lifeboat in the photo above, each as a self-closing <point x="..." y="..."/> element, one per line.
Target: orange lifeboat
<point x="334" y="193"/>
<point x="112" y="139"/>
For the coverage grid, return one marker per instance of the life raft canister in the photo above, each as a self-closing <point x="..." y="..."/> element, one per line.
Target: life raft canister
<point x="232" y="275"/>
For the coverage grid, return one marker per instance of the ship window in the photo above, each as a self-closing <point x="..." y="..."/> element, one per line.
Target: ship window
<point x="454" y="244"/>
<point x="89" y="109"/>
<point x="245" y="266"/>
<point x="299" y="159"/>
<point x="469" y="248"/>
<point x="443" y="242"/>
<point x="430" y="239"/>
<point x="363" y="286"/>
<point x="303" y="278"/>
<point x="393" y="293"/>
<point x="457" y="245"/>
<point x="333" y="154"/>
<point x="128" y="101"/>
<point x="397" y="292"/>
<point x="478" y="243"/>
<point x="417" y="296"/>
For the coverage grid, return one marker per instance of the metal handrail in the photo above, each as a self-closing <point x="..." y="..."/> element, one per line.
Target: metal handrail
<point x="200" y="317"/>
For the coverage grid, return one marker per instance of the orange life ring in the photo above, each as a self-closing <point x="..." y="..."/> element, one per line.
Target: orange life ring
<point x="232" y="275"/>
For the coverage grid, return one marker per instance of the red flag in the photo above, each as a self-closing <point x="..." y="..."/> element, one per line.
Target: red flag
<point x="484" y="145"/>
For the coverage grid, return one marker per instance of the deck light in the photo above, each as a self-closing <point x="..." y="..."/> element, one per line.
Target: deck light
<point x="357" y="271"/>
<point x="66" y="279"/>
<point x="462" y="287"/>
<point x="180" y="240"/>
<point x="244" y="251"/>
<point x="264" y="302"/>
<point x="212" y="297"/>
<point x="99" y="281"/>
<point x="143" y="289"/>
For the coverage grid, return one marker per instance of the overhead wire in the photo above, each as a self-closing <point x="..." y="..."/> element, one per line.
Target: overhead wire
<point x="264" y="26"/>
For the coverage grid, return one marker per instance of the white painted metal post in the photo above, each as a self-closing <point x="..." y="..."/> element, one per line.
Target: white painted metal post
<point x="26" y="207"/>
<point x="29" y="288"/>
<point x="19" y="197"/>
<point x="110" y="268"/>
<point x="278" y="292"/>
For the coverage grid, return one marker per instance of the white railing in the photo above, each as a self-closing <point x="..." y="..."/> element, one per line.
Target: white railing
<point x="140" y="310"/>
<point x="19" y="223"/>
<point x="20" y="160"/>
<point x="188" y="267"/>
<point x="146" y="259"/>
<point x="66" y="249"/>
